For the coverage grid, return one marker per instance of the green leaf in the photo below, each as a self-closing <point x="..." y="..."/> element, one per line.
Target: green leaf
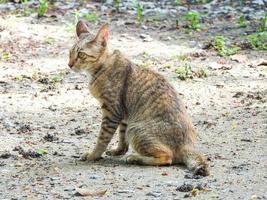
<point x="91" y="17"/>
<point x="41" y="151"/>
<point x="56" y="78"/>
<point x="5" y="56"/>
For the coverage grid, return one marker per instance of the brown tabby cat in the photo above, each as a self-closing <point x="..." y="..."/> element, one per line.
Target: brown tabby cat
<point x="150" y="116"/>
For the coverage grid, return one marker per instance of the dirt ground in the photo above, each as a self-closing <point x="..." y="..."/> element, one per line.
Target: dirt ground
<point x="47" y="108"/>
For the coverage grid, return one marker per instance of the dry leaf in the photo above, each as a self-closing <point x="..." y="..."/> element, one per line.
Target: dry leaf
<point x="85" y="192"/>
<point x="262" y="62"/>
<point x="257" y="63"/>
<point x="239" y="58"/>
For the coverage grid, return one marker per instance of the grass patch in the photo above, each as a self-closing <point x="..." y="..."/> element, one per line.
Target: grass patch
<point x="139" y="12"/>
<point x="91" y="17"/>
<point x="184" y="72"/>
<point x="263" y="23"/>
<point x="193" y="20"/>
<point x="117" y="4"/>
<point x="221" y="47"/>
<point x="242" y="22"/>
<point x="27" y="11"/>
<point x="43" y="6"/>
<point x="258" y="41"/>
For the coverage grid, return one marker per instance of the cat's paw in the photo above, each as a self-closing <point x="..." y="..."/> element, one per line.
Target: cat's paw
<point x="133" y="159"/>
<point x="89" y="157"/>
<point x="115" y="152"/>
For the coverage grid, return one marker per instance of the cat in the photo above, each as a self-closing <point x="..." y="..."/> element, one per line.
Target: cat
<point x="145" y="107"/>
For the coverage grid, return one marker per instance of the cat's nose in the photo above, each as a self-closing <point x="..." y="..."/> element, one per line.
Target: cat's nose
<point x="71" y="64"/>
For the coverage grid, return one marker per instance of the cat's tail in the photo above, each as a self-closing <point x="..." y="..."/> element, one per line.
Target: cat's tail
<point x="194" y="160"/>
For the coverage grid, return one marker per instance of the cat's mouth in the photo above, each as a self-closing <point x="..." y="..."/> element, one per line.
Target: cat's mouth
<point x="73" y="68"/>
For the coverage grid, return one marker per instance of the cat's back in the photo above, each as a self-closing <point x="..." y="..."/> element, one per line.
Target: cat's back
<point x="149" y="93"/>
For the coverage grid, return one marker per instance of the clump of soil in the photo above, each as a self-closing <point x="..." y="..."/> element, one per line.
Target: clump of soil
<point x="185" y="188"/>
<point x="27" y="154"/>
<point x="5" y="155"/>
<point x="50" y="138"/>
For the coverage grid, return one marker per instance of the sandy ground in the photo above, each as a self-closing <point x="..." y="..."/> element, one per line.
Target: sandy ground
<point x="43" y="105"/>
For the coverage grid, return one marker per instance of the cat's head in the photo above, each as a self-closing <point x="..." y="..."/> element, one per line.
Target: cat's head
<point x="90" y="50"/>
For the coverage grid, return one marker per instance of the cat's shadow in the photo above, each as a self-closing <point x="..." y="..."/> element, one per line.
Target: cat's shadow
<point x="116" y="161"/>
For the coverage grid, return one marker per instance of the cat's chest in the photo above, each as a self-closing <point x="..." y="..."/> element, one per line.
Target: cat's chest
<point x="89" y="77"/>
<point x="95" y="92"/>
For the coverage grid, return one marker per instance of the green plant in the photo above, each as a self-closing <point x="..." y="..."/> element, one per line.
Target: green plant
<point x="91" y="17"/>
<point x="258" y="41"/>
<point x="88" y="16"/>
<point x="184" y="72"/>
<point x="117" y="4"/>
<point x="263" y="24"/>
<point x="55" y="78"/>
<point x="43" y="5"/>
<point x="71" y="27"/>
<point x="222" y="49"/>
<point x="194" y="20"/>
<point x="242" y="21"/>
<point x="5" y="56"/>
<point x="139" y="12"/>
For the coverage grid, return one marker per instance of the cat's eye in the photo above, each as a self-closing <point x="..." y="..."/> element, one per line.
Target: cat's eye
<point x="82" y="55"/>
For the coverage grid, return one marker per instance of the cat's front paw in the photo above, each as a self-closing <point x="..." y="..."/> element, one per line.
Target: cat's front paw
<point x="90" y="157"/>
<point x="116" y="152"/>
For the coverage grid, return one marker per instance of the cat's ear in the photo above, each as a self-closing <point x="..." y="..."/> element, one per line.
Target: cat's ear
<point x="81" y="28"/>
<point x="102" y="35"/>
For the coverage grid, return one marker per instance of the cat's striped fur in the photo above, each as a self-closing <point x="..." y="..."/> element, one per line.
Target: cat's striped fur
<point x="145" y="107"/>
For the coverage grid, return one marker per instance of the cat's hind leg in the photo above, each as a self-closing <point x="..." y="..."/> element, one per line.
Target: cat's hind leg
<point x="150" y="152"/>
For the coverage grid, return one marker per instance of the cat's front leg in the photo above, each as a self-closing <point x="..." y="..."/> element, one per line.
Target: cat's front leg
<point x="108" y="128"/>
<point x="123" y="145"/>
